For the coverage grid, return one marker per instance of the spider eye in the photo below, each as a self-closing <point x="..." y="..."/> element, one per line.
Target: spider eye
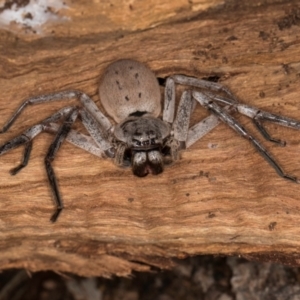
<point x="137" y="142"/>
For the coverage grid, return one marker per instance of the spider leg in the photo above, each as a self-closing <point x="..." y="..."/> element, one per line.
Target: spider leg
<point x="17" y="141"/>
<point x="54" y="147"/>
<point x="85" y="100"/>
<point x="265" y="133"/>
<point x="180" y="126"/>
<point x="181" y="132"/>
<point x="203" y="127"/>
<point x="78" y="139"/>
<point x="188" y="136"/>
<point x="97" y="144"/>
<point x="169" y="101"/>
<point x="204" y="84"/>
<point x="206" y="125"/>
<point x="99" y="136"/>
<point x="170" y="93"/>
<point x="181" y="123"/>
<point x="26" y="156"/>
<point x="27" y="136"/>
<point x="208" y="103"/>
<point x="200" y="129"/>
<point x="97" y="132"/>
<point x="257" y="116"/>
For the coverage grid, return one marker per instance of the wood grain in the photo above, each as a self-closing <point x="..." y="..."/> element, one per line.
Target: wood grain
<point x="221" y="198"/>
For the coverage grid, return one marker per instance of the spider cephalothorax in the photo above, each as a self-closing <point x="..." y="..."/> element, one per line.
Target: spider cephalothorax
<point x="145" y="136"/>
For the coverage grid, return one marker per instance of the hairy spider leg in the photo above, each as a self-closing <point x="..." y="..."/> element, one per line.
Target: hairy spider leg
<point x="169" y="101"/>
<point x="208" y="103"/>
<point x="84" y="99"/>
<point x="258" y="116"/>
<point x="78" y="139"/>
<point x="181" y="123"/>
<point x="56" y="144"/>
<point x="27" y="136"/>
<point x="97" y="144"/>
<point x="98" y="134"/>
<point x="180" y="126"/>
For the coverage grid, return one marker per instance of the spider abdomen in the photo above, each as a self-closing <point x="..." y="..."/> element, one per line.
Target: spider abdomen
<point x="129" y="88"/>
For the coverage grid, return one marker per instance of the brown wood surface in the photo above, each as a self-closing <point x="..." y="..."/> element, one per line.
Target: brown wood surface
<point x="222" y="198"/>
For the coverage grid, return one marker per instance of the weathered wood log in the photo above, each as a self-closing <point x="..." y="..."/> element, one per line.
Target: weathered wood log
<point x="221" y="198"/>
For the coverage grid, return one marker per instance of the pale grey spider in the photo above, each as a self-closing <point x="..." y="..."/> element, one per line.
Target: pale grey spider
<point x="130" y="94"/>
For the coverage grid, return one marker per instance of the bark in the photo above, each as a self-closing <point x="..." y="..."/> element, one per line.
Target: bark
<point x="221" y="198"/>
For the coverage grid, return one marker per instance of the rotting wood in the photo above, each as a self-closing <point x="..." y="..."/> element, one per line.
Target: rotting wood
<point x="222" y="198"/>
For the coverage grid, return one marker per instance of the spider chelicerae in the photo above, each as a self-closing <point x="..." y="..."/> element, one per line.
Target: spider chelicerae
<point x="130" y="94"/>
